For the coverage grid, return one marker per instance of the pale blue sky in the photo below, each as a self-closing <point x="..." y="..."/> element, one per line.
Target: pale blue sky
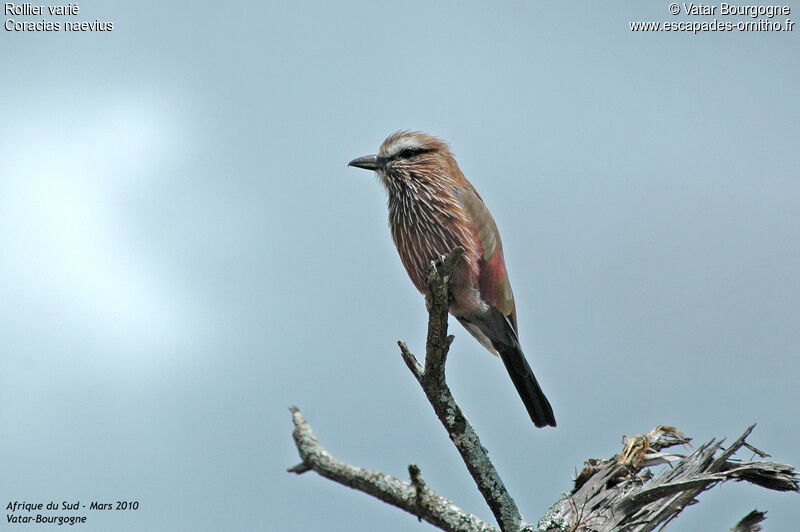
<point x="186" y="254"/>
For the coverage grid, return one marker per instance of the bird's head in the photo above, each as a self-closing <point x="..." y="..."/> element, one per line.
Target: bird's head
<point x="410" y="156"/>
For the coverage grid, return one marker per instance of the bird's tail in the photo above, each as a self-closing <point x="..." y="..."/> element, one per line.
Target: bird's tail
<point x="525" y="382"/>
<point x="495" y="332"/>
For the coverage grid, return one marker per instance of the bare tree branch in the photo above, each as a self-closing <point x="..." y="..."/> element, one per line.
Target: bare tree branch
<point x="620" y="494"/>
<point x="751" y="522"/>
<point x="414" y="497"/>
<point x="432" y="380"/>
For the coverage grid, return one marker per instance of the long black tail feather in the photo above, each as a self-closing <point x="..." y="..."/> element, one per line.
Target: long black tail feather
<point x="528" y="388"/>
<point x="493" y="328"/>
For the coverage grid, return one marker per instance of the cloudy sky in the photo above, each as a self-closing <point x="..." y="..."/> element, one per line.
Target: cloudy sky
<point x="185" y="253"/>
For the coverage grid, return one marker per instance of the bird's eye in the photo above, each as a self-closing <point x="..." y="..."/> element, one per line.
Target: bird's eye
<point x="411" y="152"/>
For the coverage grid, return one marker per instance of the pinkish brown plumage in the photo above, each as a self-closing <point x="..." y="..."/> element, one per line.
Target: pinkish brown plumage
<point x="432" y="210"/>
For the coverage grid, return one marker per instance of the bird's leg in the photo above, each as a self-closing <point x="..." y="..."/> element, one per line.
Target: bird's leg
<point x="443" y="267"/>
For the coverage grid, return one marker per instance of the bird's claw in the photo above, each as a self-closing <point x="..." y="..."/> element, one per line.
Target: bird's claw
<point x="438" y="262"/>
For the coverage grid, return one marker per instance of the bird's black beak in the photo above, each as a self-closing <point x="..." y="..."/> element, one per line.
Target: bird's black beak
<point x="368" y="162"/>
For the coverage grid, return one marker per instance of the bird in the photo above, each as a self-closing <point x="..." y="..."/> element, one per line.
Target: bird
<point x="432" y="210"/>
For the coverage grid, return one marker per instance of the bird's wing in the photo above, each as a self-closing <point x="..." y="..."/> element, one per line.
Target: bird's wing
<point x="493" y="277"/>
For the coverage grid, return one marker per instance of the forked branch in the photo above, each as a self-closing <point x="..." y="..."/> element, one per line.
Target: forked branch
<point x="414" y="497"/>
<point x="432" y="380"/>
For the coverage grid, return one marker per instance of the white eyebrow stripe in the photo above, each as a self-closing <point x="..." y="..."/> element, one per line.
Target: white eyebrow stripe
<point x="405" y="142"/>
